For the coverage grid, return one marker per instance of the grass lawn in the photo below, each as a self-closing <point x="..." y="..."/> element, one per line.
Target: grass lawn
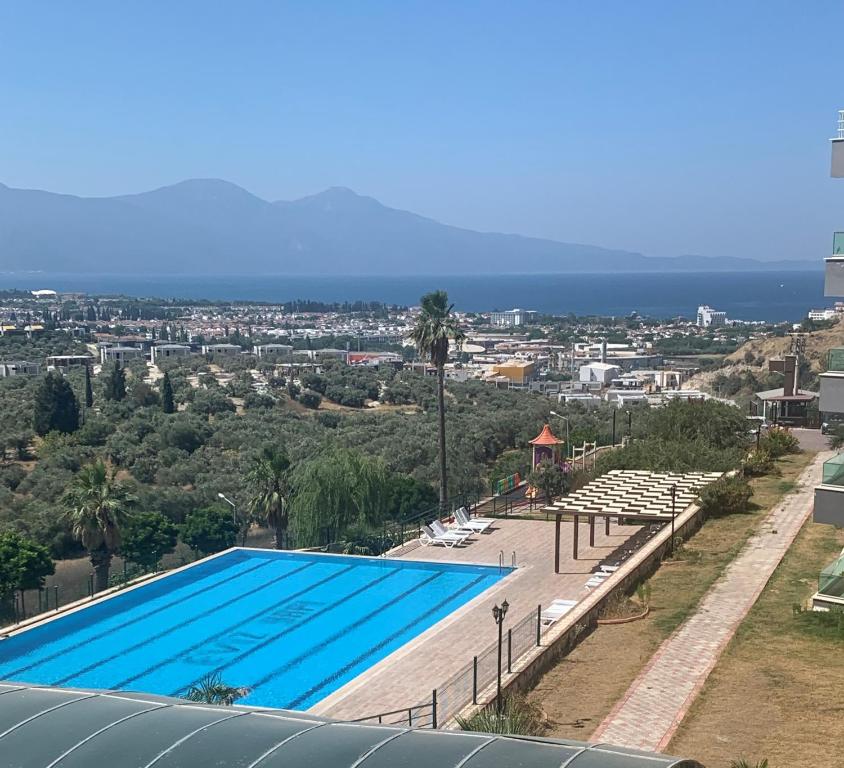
<point x="583" y="687"/>
<point x="776" y="692"/>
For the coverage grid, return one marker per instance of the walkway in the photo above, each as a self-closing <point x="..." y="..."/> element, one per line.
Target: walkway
<point x="649" y="713"/>
<point x="408" y="675"/>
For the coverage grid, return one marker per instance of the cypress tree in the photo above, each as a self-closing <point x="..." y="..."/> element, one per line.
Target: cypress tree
<point x="167" y="403"/>
<point x="89" y="391"/>
<point x="115" y="384"/>
<point x="55" y="407"/>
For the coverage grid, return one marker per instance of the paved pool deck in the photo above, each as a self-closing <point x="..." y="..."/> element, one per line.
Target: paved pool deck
<point x="408" y="676"/>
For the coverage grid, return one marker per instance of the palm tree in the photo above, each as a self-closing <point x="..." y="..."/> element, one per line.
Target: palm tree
<point x="210" y="689"/>
<point x="97" y="507"/>
<point x="268" y="480"/>
<point x="435" y="329"/>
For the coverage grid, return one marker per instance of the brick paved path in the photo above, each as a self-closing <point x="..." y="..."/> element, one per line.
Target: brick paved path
<point x="650" y="711"/>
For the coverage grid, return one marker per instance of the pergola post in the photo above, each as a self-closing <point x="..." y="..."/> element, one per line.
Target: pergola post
<point x="607" y="525"/>
<point x="591" y="530"/>
<point x="557" y="543"/>
<point x="574" y="536"/>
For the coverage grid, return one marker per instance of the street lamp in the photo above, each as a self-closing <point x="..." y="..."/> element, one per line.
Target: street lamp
<point x="498" y="613"/>
<point x="231" y="503"/>
<point x="566" y="420"/>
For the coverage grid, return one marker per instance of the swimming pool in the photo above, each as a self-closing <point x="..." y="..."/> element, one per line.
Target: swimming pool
<point x="292" y="626"/>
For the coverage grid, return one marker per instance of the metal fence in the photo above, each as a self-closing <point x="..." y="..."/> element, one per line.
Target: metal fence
<point x="462" y="688"/>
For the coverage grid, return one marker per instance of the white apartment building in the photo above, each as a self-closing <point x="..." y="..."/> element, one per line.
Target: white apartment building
<point x="512" y="317"/>
<point x="710" y="318"/>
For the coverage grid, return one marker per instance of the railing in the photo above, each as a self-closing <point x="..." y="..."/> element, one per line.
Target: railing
<point x="462" y="688"/>
<point x="841" y="123"/>
<point x="417" y="716"/>
<point x="833" y="470"/>
<point x="831" y="581"/>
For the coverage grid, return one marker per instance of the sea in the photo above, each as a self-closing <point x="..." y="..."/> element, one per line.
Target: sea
<point x="769" y="296"/>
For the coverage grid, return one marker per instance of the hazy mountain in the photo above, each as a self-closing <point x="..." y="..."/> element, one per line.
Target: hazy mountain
<point x="211" y="226"/>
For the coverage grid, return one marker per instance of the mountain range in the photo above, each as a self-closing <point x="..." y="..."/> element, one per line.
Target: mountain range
<point x="210" y="226"/>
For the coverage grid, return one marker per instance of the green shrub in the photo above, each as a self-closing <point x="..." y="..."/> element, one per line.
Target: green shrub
<point x="727" y="496"/>
<point x="517" y="717"/>
<point x="310" y="399"/>
<point x="758" y="463"/>
<point x="779" y="442"/>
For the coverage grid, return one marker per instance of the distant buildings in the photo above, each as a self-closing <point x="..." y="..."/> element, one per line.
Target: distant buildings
<point x="120" y="354"/>
<point x="19" y="368"/>
<point x="517" y="373"/>
<point x="221" y="349"/>
<point x="64" y="362"/>
<point x="161" y="352"/>
<point x="272" y="350"/>
<point x="710" y="318"/>
<point x="512" y="317"/>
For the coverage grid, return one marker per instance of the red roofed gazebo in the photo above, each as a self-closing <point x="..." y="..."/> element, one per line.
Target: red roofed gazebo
<point x="546" y="446"/>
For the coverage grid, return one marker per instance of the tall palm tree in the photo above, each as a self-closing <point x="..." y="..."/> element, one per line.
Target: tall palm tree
<point x="268" y="481"/>
<point x="97" y="506"/>
<point x="435" y="329"/>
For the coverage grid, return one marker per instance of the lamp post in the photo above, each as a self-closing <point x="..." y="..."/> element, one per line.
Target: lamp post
<point x="498" y="613"/>
<point x="566" y="420"/>
<point x="673" y="513"/>
<point x="230" y="503"/>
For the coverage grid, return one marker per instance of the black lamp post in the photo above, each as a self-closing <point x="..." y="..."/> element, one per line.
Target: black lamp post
<point x="498" y="613"/>
<point x="673" y="513"/>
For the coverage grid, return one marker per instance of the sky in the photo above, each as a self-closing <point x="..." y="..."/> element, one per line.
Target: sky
<point x="667" y="128"/>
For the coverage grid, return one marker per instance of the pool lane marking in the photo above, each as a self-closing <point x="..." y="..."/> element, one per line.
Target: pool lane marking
<point x="181" y="625"/>
<point x="231" y="627"/>
<point x="292" y="628"/>
<point x="129" y="622"/>
<point x="325" y="642"/>
<point x="377" y="647"/>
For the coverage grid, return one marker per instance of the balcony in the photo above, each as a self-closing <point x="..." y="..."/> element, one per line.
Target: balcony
<point x="838" y="149"/>
<point x="830" y="594"/>
<point x="829" y="496"/>
<point x="833" y="284"/>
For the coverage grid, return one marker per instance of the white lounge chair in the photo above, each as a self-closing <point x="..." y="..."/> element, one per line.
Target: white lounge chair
<point x="476" y="519"/>
<point x="556" y="611"/>
<point x="440" y="530"/>
<point x="429" y="538"/>
<point x="464" y="521"/>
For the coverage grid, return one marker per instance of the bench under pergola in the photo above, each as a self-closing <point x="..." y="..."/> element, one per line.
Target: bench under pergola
<point x="626" y="494"/>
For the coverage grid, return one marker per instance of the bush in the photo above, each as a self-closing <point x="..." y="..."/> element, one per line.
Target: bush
<point x="517" y="717"/>
<point x="727" y="496"/>
<point x="778" y="442"/>
<point x="758" y="463"/>
<point x="310" y="399"/>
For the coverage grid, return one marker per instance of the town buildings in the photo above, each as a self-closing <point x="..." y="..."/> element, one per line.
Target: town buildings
<point x="710" y="318"/>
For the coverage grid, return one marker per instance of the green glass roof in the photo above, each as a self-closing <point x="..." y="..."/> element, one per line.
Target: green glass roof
<point x="65" y="728"/>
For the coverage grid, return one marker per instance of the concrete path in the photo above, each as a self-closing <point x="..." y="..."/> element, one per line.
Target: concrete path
<point x="649" y="713"/>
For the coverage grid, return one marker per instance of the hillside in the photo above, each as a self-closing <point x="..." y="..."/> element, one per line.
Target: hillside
<point x="215" y="227"/>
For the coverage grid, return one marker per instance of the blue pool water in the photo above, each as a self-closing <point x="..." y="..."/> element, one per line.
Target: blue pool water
<point x="291" y="626"/>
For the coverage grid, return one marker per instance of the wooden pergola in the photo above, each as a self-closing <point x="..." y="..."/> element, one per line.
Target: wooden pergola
<point x="635" y="495"/>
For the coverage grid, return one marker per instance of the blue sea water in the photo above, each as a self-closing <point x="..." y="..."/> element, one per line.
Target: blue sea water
<point x="293" y="627"/>
<point x="773" y="296"/>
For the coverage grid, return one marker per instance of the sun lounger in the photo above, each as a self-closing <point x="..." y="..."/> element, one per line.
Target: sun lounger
<point x="465" y="522"/>
<point x="429" y="538"/>
<point x="556" y="611"/>
<point x="440" y="530"/>
<point x="465" y="512"/>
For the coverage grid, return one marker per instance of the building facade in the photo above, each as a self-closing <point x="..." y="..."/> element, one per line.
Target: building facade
<point x="710" y="318"/>
<point x="512" y="317"/>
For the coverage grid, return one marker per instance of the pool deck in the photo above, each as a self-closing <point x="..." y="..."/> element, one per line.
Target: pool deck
<point x="407" y="676"/>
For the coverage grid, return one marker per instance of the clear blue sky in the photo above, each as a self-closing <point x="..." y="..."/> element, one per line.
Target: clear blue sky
<point x="663" y="127"/>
